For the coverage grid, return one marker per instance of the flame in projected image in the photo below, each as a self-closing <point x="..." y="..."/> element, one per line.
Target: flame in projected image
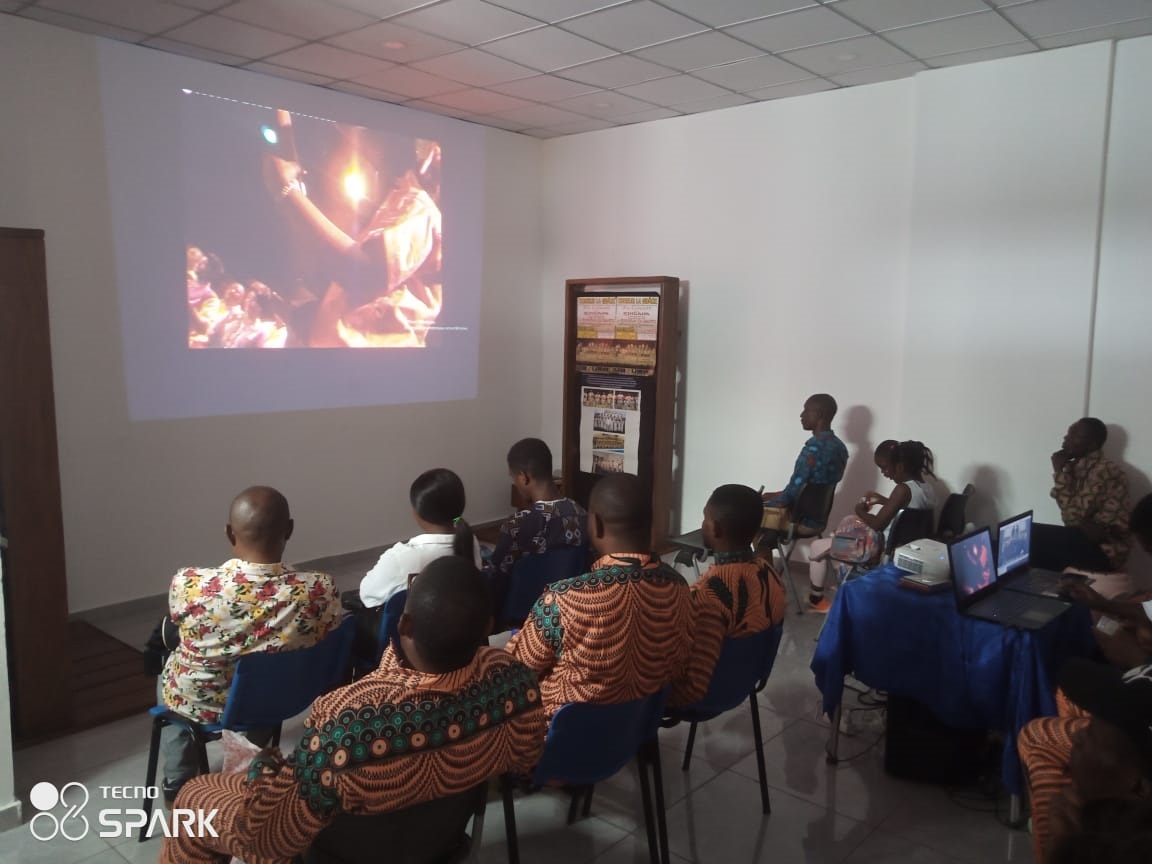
<point x="355" y="186"/>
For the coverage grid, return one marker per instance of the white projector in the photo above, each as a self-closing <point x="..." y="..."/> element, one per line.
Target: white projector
<point x="925" y="562"/>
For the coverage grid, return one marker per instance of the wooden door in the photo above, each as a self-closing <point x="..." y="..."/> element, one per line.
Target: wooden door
<point x="35" y="586"/>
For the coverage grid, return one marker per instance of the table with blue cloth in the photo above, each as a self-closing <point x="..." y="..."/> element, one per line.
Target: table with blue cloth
<point x="970" y="673"/>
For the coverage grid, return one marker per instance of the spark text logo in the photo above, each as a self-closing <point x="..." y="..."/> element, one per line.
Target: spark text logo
<point x="114" y="822"/>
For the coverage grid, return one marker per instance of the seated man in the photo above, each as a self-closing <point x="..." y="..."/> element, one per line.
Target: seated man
<point x="822" y="460"/>
<point x="252" y="602"/>
<point x="1092" y="492"/>
<point x="738" y="596"/>
<point x="438" y="721"/>
<point x="619" y="632"/>
<point x="546" y="520"/>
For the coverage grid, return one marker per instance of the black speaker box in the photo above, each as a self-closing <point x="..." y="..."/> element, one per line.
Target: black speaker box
<point x="919" y="747"/>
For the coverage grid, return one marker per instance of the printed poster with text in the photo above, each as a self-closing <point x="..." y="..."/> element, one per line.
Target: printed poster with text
<point x="616" y="334"/>
<point x="609" y="430"/>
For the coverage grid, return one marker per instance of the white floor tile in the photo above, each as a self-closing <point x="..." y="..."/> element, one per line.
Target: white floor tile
<point x="930" y="819"/>
<point x="882" y="846"/>
<point x="544" y="835"/>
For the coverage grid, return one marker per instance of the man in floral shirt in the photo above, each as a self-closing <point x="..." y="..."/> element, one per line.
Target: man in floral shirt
<point x="252" y="602"/>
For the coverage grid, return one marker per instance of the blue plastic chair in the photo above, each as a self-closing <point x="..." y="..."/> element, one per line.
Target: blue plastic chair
<point x="532" y="574"/>
<point x="741" y="672"/>
<point x="587" y="744"/>
<point x="267" y="689"/>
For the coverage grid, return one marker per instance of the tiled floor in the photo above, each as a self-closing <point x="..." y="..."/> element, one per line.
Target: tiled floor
<point x="852" y="812"/>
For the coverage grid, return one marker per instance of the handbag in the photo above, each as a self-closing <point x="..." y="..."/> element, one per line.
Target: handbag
<point x="854" y="542"/>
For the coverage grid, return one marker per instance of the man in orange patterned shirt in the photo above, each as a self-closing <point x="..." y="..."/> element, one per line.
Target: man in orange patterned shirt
<point x="739" y="595"/>
<point x="251" y="603"/>
<point x="437" y="721"/>
<point x="619" y="632"/>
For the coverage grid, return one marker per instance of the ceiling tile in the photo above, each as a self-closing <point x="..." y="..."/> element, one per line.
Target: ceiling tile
<point x="11" y="5"/>
<point x="196" y="51"/>
<point x="382" y="8"/>
<point x="540" y="115"/>
<point x="674" y="90"/>
<point x="232" y="37"/>
<point x="468" y="21"/>
<point x="84" y="25"/>
<point x="605" y="104"/>
<point x="966" y="33"/>
<point x="290" y="74"/>
<point x="475" y="67"/>
<point x="632" y="26"/>
<point x="616" y="72"/>
<point x="409" y="45"/>
<point x="543" y="88"/>
<point x="366" y="91"/>
<point x="1093" y="34"/>
<point x="144" y="17"/>
<point x="202" y="5"/>
<point x="304" y="18"/>
<point x="785" y="91"/>
<point x="548" y="49"/>
<point x="409" y="82"/>
<point x="328" y="61"/>
<point x="696" y="52"/>
<point x="477" y="101"/>
<point x="847" y="56"/>
<point x="721" y="13"/>
<point x="435" y="108"/>
<point x="1050" y="17"/>
<point x="877" y="74"/>
<point x="796" y="30"/>
<point x="556" y="10"/>
<point x="983" y="54"/>
<point x="542" y="133"/>
<point x="696" y="106"/>
<point x="754" y="73"/>
<point x="886" y="14"/>
<point x="588" y="124"/>
<point x="648" y="116"/>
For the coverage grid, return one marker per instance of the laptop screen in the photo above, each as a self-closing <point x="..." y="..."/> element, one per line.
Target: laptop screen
<point x="972" y="565"/>
<point x="1013" y="544"/>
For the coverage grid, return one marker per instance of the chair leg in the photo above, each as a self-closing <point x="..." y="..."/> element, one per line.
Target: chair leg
<point x="758" y="738"/>
<point x="150" y="776"/>
<point x="688" y="747"/>
<point x="658" y="786"/>
<point x="510" y="820"/>
<point x="202" y="747"/>
<point x="646" y="800"/>
<point x="789" y="585"/>
<point x="476" y="837"/>
<point x="575" y="802"/>
<point x="587" y="809"/>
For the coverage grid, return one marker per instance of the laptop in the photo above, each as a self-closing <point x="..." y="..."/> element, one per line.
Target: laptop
<point x="978" y="593"/>
<point x="1013" y="553"/>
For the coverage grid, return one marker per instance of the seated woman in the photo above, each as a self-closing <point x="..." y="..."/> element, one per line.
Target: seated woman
<point x="437" y="498"/>
<point x="909" y="465"/>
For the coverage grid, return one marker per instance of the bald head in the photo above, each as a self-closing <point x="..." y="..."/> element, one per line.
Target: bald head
<point x="259" y="524"/>
<point x="620" y="514"/>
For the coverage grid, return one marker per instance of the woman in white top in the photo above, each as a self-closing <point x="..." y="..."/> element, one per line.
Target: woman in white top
<point x="909" y="465"/>
<point x="437" y="498"/>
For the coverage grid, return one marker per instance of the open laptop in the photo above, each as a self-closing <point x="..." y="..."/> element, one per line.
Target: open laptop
<point x="978" y="593"/>
<point x="1013" y="553"/>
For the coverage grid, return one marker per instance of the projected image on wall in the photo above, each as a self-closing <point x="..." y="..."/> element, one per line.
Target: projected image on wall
<point x="301" y="232"/>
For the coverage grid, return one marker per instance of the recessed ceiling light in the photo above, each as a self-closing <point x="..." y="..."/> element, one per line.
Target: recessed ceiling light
<point x="395" y="45"/>
<point x="845" y="58"/>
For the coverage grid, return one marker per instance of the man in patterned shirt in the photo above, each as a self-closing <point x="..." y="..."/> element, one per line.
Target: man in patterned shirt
<point x="546" y="520"/>
<point x="435" y="722"/>
<point x="251" y="603"/>
<point x="1092" y="492"/>
<point x="619" y="632"/>
<point x="738" y="596"/>
<point x="821" y="460"/>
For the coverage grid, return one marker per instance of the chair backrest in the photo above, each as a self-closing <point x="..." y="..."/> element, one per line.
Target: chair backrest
<point x="270" y="687"/>
<point x="744" y="665"/>
<point x="813" y="505"/>
<point x="389" y="622"/>
<point x="533" y="573"/>
<point x="911" y="523"/>
<point x="589" y="743"/>
<point x="429" y="833"/>
<point x="954" y="515"/>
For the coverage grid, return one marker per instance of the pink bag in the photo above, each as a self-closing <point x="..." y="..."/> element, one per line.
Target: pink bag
<point x="855" y="543"/>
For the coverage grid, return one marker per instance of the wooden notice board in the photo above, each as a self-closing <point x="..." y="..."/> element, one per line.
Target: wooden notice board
<point x="620" y="347"/>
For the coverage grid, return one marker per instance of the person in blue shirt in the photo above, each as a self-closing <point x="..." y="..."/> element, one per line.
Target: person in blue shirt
<point x="821" y="460"/>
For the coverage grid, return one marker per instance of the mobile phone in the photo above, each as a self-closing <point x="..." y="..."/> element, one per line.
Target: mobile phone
<point x="1107" y="626"/>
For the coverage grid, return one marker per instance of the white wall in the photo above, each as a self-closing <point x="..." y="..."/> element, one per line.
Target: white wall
<point x="1005" y="208"/>
<point x="141" y="499"/>
<point x="1122" y="352"/>
<point x="789" y="220"/>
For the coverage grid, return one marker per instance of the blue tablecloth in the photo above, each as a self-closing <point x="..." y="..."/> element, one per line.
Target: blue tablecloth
<point x="970" y="673"/>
